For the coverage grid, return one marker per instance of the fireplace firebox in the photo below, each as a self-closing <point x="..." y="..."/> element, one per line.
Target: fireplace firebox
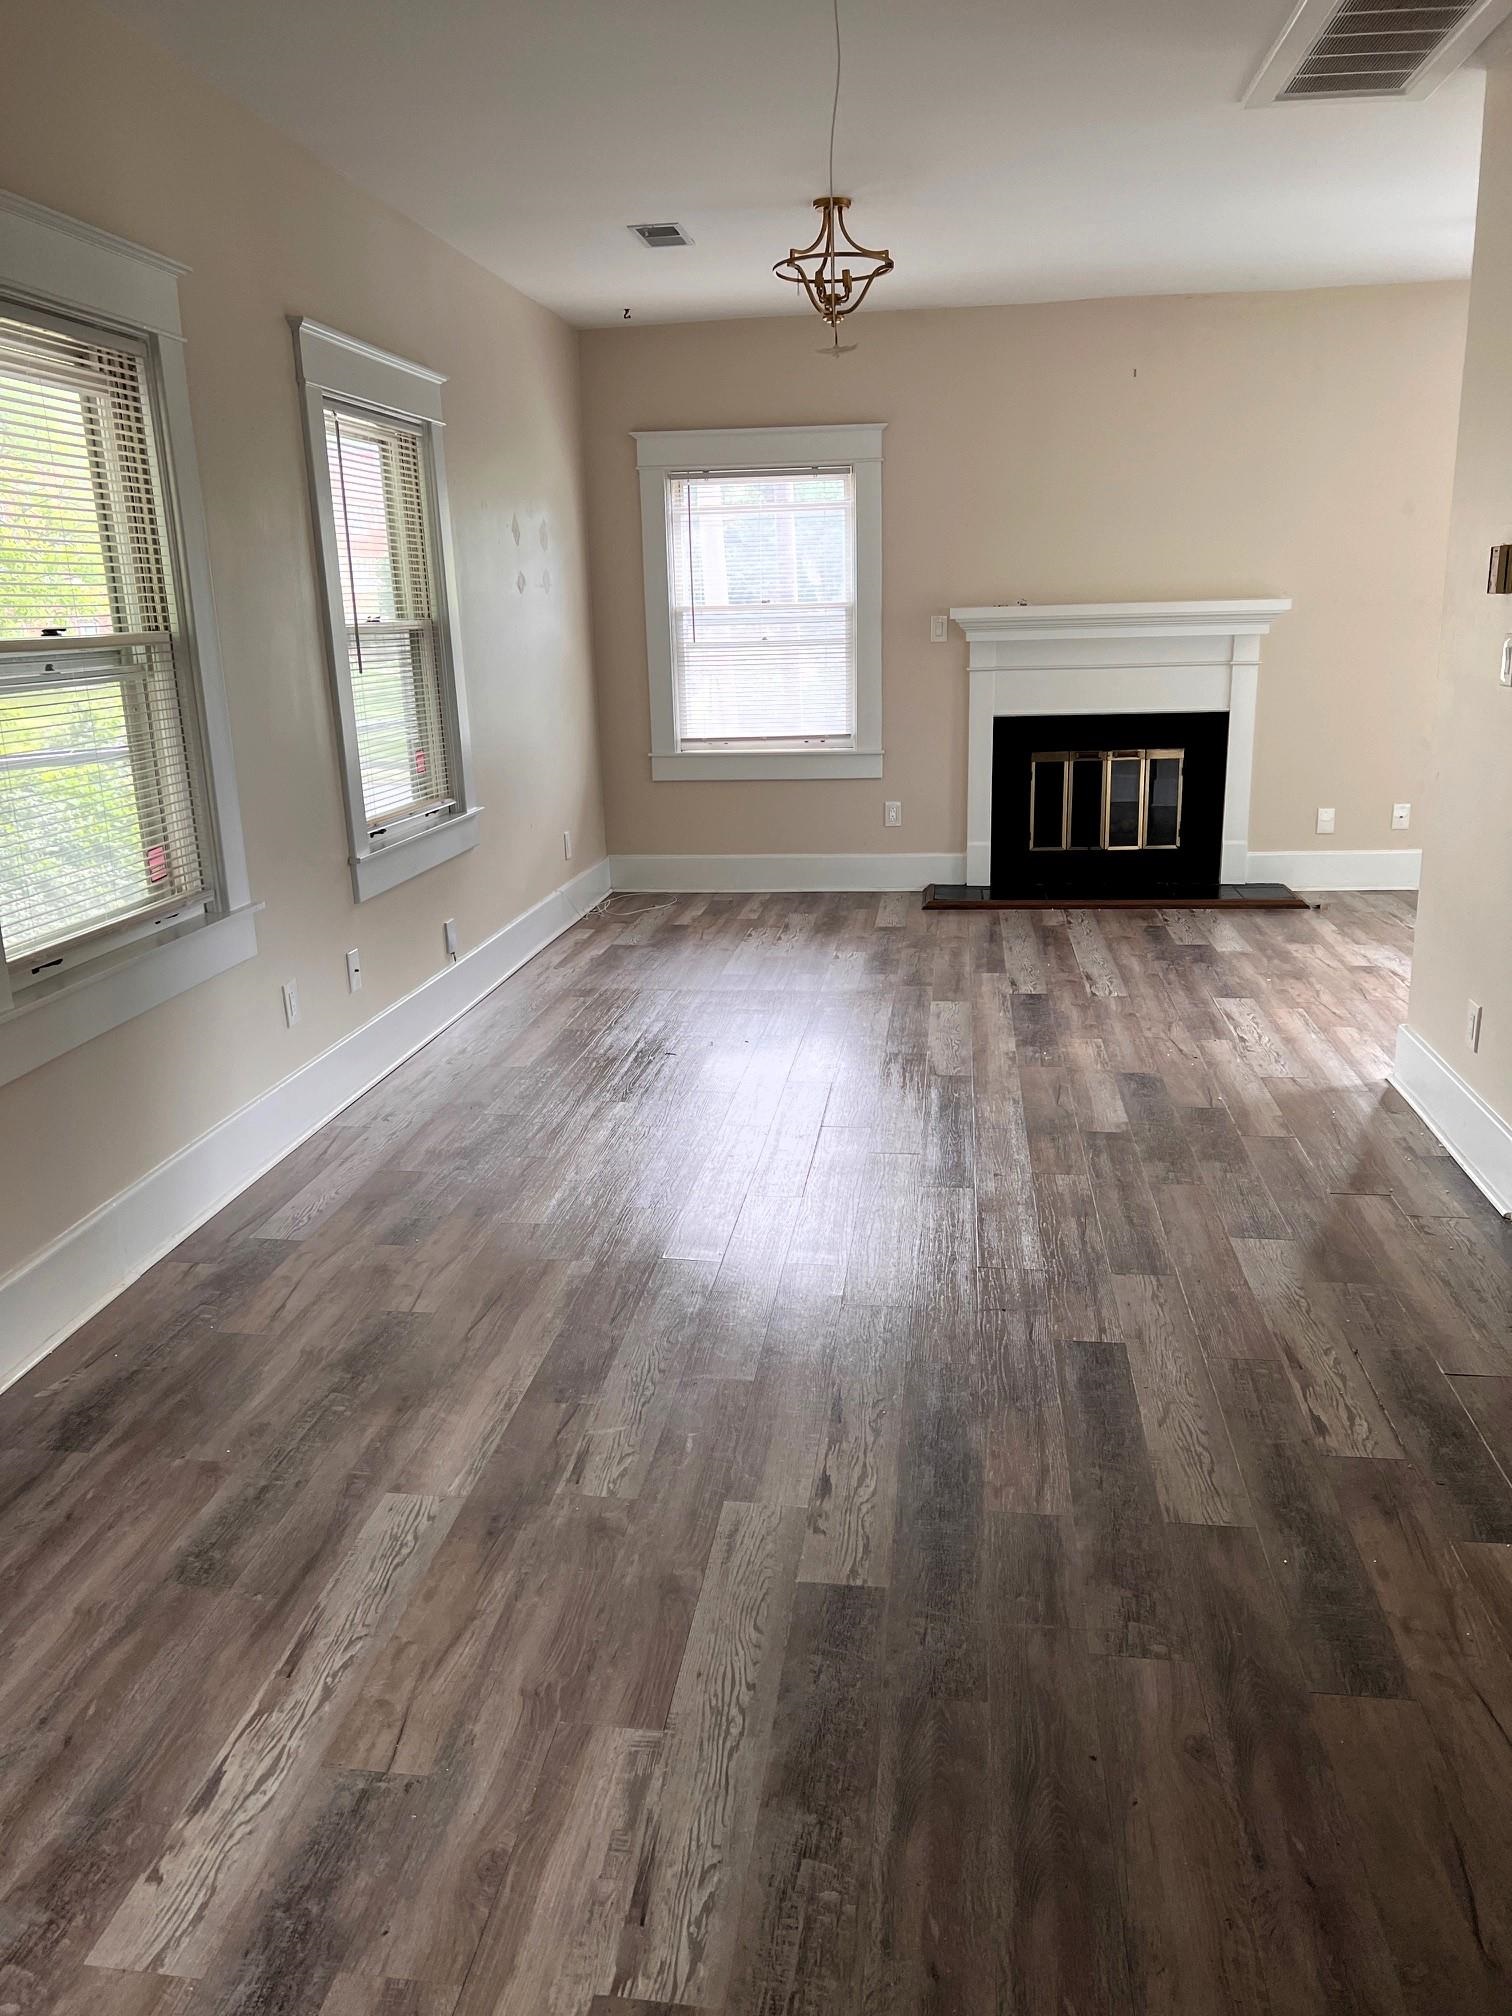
<point x="1108" y="806"/>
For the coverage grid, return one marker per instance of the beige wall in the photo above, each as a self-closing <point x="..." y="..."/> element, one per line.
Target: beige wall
<point x="1290" y="444"/>
<point x="96" y="122"/>
<point x="1464" y="940"/>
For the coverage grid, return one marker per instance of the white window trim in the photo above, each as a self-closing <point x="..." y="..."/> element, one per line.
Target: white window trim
<point x="49" y="261"/>
<point x="341" y="367"/>
<point x="763" y="448"/>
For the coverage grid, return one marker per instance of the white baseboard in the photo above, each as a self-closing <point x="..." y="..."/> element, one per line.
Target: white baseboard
<point x="738" y="874"/>
<point x="682" y="874"/>
<point x="1343" y="868"/>
<point x="1475" y="1134"/>
<point x="56" y="1291"/>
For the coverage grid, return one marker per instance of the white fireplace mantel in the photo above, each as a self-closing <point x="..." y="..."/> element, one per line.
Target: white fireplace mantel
<point x="1115" y="658"/>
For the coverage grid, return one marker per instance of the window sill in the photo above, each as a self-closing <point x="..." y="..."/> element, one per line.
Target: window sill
<point x="386" y="867"/>
<point x="33" y="1033"/>
<point x="765" y="765"/>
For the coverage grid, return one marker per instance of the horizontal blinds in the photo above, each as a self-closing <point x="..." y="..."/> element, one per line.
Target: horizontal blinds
<point x="379" y="497"/>
<point x="762" y="579"/>
<point x="98" y="815"/>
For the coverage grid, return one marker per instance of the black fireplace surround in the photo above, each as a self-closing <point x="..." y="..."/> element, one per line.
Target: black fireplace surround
<point x="1107" y="806"/>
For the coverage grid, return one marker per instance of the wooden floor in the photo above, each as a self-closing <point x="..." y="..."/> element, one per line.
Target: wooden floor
<point x="806" y="1456"/>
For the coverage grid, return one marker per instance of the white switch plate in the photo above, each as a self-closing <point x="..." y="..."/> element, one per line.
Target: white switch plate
<point x="354" y="971"/>
<point x="449" y="933"/>
<point x="939" y="629"/>
<point x="291" y="1002"/>
<point x="1325" y="818"/>
<point x="1473" y="1025"/>
<point x="892" y="812"/>
<point x="1401" y="818"/>
<point x="1506" y="663"/>
<point x="567" y="844"/>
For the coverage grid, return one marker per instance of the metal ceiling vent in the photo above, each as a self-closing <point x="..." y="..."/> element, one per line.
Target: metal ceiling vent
<point x="1372" y="49"/>
<point x="659" y="235"/>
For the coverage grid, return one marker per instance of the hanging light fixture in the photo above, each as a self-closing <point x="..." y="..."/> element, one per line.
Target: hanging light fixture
<point x="835" y="272"/>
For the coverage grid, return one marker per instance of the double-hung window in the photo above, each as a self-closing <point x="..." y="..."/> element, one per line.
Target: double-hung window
<point x="379" y="492"/>
<point x="763" y="593"/>
<point x="118" y="834"/>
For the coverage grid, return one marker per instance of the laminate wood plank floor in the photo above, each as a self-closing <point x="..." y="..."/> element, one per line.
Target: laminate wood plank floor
<point x="806" y="1456"/>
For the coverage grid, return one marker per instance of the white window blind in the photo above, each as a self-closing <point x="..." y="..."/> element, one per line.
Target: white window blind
<point x="761" y="569"/>
<point x="99" y="816"/>
<point x="380" y="497"/>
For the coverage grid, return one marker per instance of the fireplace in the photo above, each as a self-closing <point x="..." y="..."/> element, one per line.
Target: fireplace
<point x="1110" y="748"/>
<point x="1108" y="805"/>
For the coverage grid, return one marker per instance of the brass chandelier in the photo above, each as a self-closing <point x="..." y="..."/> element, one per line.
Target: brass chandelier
<point x="836" y="271"/>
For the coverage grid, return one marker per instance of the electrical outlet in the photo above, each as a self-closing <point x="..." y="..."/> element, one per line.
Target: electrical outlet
<point x="291" y="1002"/>
<point x="1325" y="818"/>
<point x="567" y="845"/>
<point x="1473" y="1025"/>
<point x="892" y="813"/>
<point x="354" y="971"/>
<point x="939" y="629"/>
<point x="449" y="934"/>
<point x="1401" y="818"/>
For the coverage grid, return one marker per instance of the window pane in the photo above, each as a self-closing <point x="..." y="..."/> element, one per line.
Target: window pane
<point x="379" y="496"/>
<point x="72" y="848"/>
<point x="762" y="576"/>
<point x="52" y="548"/>
<point x="97" y="810"/>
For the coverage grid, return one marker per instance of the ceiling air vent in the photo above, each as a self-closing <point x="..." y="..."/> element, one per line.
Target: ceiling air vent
<point x="1371" y="49"/>
<point x="658" y="235"/>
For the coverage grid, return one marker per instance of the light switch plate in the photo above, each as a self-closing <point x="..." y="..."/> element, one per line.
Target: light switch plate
<point x="939" y="629"/>
<point x="1401" y="818"/>
<point x="1325" y="818"/>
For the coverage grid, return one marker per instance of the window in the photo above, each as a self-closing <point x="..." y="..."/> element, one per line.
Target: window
<point x="375" y="462"/>
<point x="122" y="878"/>
<point x="763" y="601"/>
<point x="99" y="819"/>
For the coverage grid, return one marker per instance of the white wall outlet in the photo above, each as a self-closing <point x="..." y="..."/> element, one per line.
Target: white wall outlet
<point x="1325" y="818"/>
<point x="449" y="934"/>
<point x="291" y="1002"/>
<point x="1473" y="1024"/>
<point x="567" y="844"/>
<point x="939" y="629"/>
<point x="892" y="812"/>
<point x="1401" y="818"/>
<point x="354" y="971"/>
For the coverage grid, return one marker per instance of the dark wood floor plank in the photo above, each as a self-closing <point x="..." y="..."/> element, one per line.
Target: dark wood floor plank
<point x="1387" y="1766"/>
<point x="801" y="1919"/>
<point x="1128" y="1594"/>
<point x="1191" y="1937"/>
<point x="1310" y="1903"/>
<point x="1187" y="1438"/>
<point x="172" y="1920"/>
<point x="678" y="1939"/>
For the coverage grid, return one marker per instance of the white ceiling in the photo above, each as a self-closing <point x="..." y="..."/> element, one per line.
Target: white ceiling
<point x="1005" y="150"/>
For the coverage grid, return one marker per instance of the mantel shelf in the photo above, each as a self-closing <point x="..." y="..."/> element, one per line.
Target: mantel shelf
<point x="1034" y="622"/>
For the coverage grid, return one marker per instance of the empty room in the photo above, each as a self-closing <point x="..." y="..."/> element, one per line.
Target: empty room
<point x="755" y="1008"/>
